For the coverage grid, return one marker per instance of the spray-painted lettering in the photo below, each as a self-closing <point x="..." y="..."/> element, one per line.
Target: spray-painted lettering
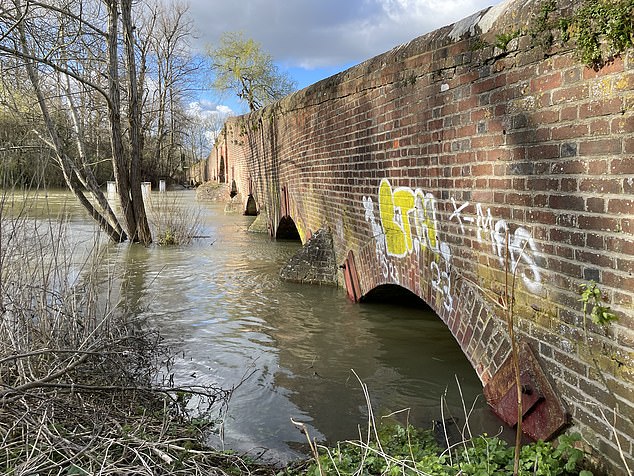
<point x="409" y="224"/>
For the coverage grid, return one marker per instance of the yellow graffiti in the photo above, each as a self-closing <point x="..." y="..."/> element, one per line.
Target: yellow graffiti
<point x="394" y="209"/>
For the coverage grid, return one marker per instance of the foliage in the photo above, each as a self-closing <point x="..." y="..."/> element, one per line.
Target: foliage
<point x="173" y="222"/>
<point x="592" y="298"/>
<point x="598" y="22"/>
<point x="542" y="25"/>
<point x="407" y="451"/>
<point x="241" y="66"/>
<point x="601" y="29"/>
<point x="503" y="39"/>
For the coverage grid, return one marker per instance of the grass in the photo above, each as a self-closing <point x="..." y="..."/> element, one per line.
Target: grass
<point x="174" y="222"/>
<point x="393" y="449"/>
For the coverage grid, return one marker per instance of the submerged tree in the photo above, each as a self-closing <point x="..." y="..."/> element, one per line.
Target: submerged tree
<point x="241" y="66"/>
<point x="70" y="50"/>
<point x="91" y="67"/>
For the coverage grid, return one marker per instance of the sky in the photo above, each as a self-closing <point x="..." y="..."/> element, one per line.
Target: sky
<point x="314" y="39"/>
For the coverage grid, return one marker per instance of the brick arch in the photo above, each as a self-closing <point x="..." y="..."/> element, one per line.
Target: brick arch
<point x="250" y="206"/>
<point x="286" y="229"/>
<point x="474" y="323"/>
<point x="432" y="160"/>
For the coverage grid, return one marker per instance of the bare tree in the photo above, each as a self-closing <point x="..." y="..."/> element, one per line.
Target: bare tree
<point x="166" y="34"/>
<point x="67" y="41"/>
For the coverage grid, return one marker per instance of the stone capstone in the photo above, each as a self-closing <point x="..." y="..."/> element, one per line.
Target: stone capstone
<point x="314" y="263"/>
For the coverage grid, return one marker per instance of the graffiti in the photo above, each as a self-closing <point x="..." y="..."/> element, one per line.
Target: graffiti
<point x="387" y="268"/>
<point x="483" y="223"/>
<point x="395" y="208"/>
<point x="441" y="280"/>
<point x="522" y="249"/>
<point x="408" y="223"/>
<point x="457" y="214"/>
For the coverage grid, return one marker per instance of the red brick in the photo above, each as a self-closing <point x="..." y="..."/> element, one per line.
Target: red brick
<point x="569" y="113"/>
<point x="569" y="131"/>
<point x="569" y="167"/>
<point x="622" y="166"/>
<point x="550" y="81"/>
<point x="616" y="66"/>
<point x="595" y="205"/>
<point x="600" y="108"/>
<point x="619" y="206"/>
<point x="572" y="75"/>
<point x="598" y="166"/>
<point x="570" y="94"/>
<point x="600" y="147"/>
<point x="622" y="125"/>
<point x="600" y="185"/>
<point x="600" y="127"/>
<point x="566" y="202"/>
<point x="617" y="280"/>
<point x="599" y="223"/>
<point x="541" y="152"/>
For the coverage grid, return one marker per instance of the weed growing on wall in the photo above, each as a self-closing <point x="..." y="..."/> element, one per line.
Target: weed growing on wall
<point x="503" y="39"/>
<point x="594" y="304"/>
<point x="600" y="29"/>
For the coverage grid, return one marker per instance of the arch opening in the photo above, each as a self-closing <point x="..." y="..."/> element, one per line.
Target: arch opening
<point x="251" y="208"/>
<point x="221" y="171"/>
<point x="287" y="230"/>
<point x="394" y="294"/>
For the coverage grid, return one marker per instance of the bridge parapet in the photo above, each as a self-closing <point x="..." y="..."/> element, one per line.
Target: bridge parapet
<point x="436" y="162"/>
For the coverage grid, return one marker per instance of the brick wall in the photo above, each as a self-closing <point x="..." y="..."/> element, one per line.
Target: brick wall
<point x="428" y="160"/>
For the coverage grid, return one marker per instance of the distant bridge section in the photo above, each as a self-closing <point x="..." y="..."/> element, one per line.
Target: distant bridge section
<point x="446" y="166"/>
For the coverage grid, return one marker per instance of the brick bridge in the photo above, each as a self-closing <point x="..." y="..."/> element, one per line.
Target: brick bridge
<point x="431" y="166"/>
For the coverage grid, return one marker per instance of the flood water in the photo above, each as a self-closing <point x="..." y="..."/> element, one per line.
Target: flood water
<point x="222" y="306"/>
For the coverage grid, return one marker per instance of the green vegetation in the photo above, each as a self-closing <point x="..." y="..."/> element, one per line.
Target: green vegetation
<point x="398" y="450"/>
<point x="600" y="29"/>
<point x="503" y="39"/>
<point x="241" y="66"/>
<point x="542" y="26"/>
<point x="593" y="304"/>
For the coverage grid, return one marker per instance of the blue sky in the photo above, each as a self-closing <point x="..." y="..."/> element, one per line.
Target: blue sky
<point x="314" y="39"/>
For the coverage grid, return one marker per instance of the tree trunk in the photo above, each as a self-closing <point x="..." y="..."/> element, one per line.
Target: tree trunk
<point x="66" y="164"/>
<point x="120" y="166"/>
<point x="134" y="117"/>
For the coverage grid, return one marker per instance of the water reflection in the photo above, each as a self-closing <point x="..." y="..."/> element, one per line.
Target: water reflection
<point x="222" y="303"/>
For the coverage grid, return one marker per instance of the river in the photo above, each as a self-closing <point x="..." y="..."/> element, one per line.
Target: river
<point x="221" y="304"/>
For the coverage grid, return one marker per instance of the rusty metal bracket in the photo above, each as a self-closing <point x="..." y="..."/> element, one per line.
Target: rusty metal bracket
<point x="351" y="277"/>
<point x="543" y="414"/>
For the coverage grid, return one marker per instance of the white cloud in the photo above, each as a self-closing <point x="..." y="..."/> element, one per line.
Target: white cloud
<point x="204" y="109"/>
<point x="325" y="33"/>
